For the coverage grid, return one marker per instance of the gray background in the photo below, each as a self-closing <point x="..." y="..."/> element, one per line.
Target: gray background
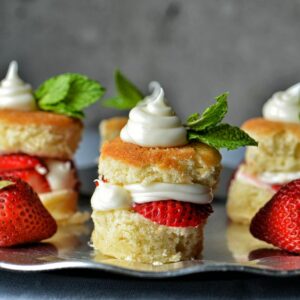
<point x="197" y="49"/>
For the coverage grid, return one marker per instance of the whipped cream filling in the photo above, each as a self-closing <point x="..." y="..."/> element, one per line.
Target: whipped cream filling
<point x="267" y="179"/>
<point x="284" y="105"/>
<point x="153" y="123"/>
<point x="14" y="93"/>
<point x="278" y="177"/>
<point x="108" y="196"/>
<point x="250" y="179"/>
<point x="193" y="193"/>
<point x="60" y="176"/>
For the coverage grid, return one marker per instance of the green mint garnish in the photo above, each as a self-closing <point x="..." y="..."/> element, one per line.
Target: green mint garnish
<point x="212" y="116"/>
<point x="68" y="94"/>
<point x="128" y="95"/>
<point x="206" y="128"/>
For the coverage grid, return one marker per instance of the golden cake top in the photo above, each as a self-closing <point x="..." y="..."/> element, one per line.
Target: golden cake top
<point x="170" y="157"/>
<point x="17" y="117"/>
<point x="260" y="127"/>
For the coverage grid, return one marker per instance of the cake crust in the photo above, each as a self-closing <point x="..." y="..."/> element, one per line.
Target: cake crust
<point x="110" y="128"/>
<point x="126" y="235"/>
<point x="39" y="133"/>
<point x="260" y="127"/>
<point x="126" y="163"/>
<point x="278" y="146"/>
<point x="244" y="201"/>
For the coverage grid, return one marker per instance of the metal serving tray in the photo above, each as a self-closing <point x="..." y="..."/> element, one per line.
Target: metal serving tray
<point x="227" y="247"/>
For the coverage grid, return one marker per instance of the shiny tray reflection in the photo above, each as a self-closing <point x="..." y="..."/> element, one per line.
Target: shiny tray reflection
<point x="227" y="247"/>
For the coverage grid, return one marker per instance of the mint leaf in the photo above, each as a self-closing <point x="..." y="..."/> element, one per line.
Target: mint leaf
<point x="118" y="103"/>
<point x="212" y="115"/>
<point x="128" y="95"/>
<point x="53" y="90"/>
<point x="68" y="94"/>
<point x="223" y="136"/>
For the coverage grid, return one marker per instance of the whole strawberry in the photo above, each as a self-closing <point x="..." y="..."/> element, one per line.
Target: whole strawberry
<point x="174" y="213"/>
<point x="278" y="222"/>
<point x="23" y="218"/>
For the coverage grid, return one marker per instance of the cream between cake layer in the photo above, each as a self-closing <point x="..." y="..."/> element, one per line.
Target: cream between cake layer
<point x="108" y="196"/>
<point x="266" y="179"/>
<point x="59" y="174"/>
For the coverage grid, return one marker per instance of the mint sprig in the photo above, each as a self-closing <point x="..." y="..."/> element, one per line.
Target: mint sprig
<point x="206" y="128"/>
<point x="128" y="95"/>
<point x="68" y="94"/>
<point x="212" y="115"/>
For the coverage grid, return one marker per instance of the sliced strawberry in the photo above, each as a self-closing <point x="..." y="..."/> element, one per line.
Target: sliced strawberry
<point x="21" y="162"/>
<point x="174" y="213"/>
<point x="23" y="218"/>
<point x="37" y="181"/>
<point x="278" y="222"/>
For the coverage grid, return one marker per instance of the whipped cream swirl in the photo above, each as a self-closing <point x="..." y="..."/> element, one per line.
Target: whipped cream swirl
<point x="284" y="105"/>
<point x="153" y="123"/>
<point x="108" y="196"/>
<point x="14" y="93"/>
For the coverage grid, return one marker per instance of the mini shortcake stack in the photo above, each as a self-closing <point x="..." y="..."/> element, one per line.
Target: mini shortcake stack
<point x="156" y="183"/>
<point x="40" y="132"/>
<point x="274" y="162"/>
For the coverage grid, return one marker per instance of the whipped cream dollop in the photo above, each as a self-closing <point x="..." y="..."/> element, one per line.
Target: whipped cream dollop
<point x="153" y="123"/>
<point x="14" y="92"/>
<point x="61" y="175"/>
<point x="284" y="105"/>
<point x="108" y="196"/>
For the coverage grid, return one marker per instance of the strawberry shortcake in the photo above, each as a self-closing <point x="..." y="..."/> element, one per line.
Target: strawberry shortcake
<point x="156" y="184"/>
<point x="39" y="134"/>
<point x="274" y="162"/>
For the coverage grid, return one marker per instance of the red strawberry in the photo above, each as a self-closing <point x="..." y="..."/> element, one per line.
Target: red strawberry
<point x="23" y="218"/>
<point x="278" y="222"/>
<point x="20" y="162"/>
<point x="37" y="181"/>
<point x="174" y="213"/>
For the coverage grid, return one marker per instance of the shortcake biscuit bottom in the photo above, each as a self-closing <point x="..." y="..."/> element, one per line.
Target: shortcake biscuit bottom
<point x="126" y="235"/>
<point x="244" y="200"/>
<point x="62" y="205"/>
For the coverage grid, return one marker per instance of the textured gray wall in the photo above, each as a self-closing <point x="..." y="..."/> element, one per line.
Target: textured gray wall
<point x="197" y="49"/>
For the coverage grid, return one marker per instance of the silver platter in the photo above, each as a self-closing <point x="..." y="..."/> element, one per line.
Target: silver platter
<point x="227" y="247"/>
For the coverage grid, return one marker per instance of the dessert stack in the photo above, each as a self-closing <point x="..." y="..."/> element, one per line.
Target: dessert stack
<point x="274" y="162"/>
<point x="156" y="181"/>
<point x="40" y="132"/>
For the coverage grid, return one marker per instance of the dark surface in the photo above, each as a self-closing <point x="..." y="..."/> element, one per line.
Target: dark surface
<point x="80" y="284"/>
